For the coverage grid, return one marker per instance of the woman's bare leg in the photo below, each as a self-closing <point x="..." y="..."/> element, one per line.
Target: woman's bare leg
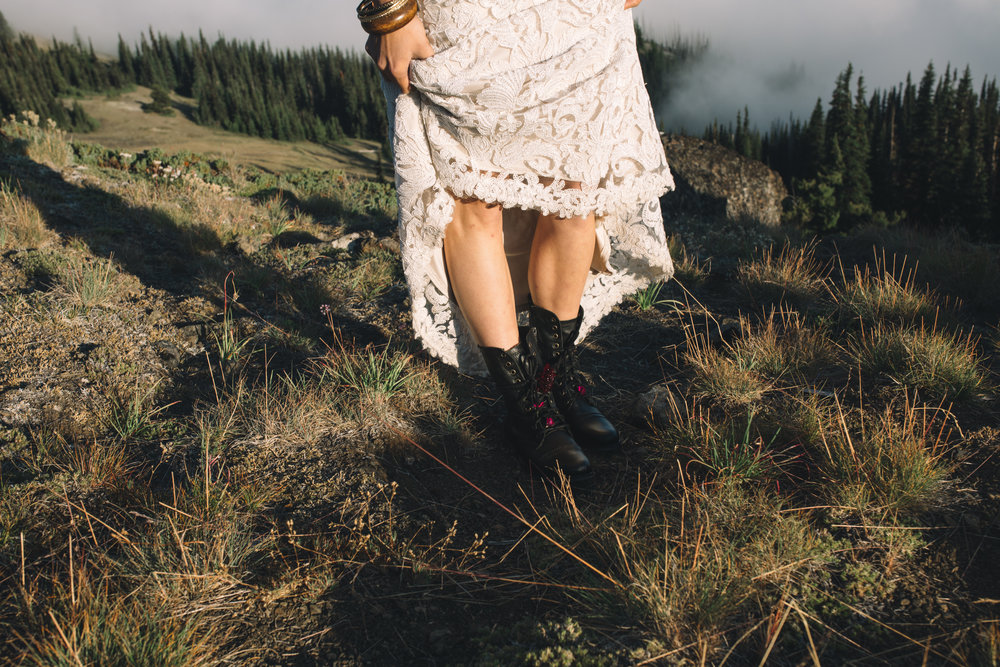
<point x="478" y="272"/>
<point x="561" y="253"/>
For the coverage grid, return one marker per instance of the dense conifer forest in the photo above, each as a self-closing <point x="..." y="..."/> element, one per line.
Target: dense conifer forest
<point x="927" y="152"/>
<point x="318" y="94"/>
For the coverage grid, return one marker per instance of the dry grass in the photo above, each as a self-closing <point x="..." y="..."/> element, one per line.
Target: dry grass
<point x="259" y="479"/>
<point x="945" y="365"/>
<point x="967" y="270"/>
<point x="719" y="376"/>
<point x="21" y="223"/>
<point x="125" y="127"/>
<point x="87" y="283"/>
<point x="782" y="346"/>
<point x="721" y="451"/>
<point x="41" y="140"/>
<point x="793" y="274"/>
<point x="688" y="270"/>
<point x="93" y="624"/>
<point x="368" y="275"/>
<point x="688" y="567"/>
<point x="882" y="464"/>
<point x="886" y="294"/>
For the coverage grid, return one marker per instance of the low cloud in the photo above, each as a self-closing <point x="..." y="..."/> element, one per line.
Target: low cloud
<point x="779" y="56"/>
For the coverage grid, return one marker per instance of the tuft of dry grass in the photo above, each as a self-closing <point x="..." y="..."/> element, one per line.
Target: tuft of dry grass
<point x="793" y="274"/>
<point x="726" y="452"/>
<point x="886" y="294"/>
<point x="93" y="623"/>
<point x="688" y="270"/>
<point x="89" y="283"/>
<point x="988" y="635"/>
<point x="42" y="141"/>
<point x="277" y="218"/>
<point x="21" y="223"/>
<point x="781" y="346"/>
<point x="687" y="573"/>
<point x="883" y="464"/>
<point x="945" y="365"/>
<point x="367" y="276"/>
<point x="965" y="269"/>
<point x="718" y="376"/>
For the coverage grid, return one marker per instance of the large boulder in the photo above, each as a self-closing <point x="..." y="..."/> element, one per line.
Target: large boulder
<point x="712" y="180"/>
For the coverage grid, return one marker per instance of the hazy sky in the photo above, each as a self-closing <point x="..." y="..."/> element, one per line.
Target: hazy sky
<point x="775" y="56"/>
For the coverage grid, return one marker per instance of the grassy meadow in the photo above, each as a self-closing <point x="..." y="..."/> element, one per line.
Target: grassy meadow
<point x="220" y="444"/>
<point x="124" y="125"/>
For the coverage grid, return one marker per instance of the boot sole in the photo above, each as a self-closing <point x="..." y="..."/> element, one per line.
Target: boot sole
<point x="580" y="479"/>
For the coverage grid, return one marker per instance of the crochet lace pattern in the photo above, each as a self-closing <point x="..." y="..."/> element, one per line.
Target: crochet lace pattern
<point x="520" y="98"/>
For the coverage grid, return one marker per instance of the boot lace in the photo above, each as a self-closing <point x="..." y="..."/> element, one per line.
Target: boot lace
<point x="539" y="398"/>
<point x="570" y="385"/>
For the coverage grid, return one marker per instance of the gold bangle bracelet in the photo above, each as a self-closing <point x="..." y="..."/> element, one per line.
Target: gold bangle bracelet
<point x="386" y="18"/>
<point x="370" y="9"/>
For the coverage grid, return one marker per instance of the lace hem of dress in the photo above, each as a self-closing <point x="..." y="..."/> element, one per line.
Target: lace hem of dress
<point x="530" y="192"/>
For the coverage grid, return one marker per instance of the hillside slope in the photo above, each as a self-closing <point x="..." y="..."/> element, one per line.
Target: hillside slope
<point x="124" y="125"/>
<point x="219" y="442"/>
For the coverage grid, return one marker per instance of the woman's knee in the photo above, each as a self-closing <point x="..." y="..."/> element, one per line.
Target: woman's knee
<point x="474" y="215"/>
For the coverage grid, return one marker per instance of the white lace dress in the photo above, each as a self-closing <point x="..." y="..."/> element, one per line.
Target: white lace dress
<point x="520" y="97"/>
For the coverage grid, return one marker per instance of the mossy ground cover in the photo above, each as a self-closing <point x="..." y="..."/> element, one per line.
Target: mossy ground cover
<point x="221" y="444"/>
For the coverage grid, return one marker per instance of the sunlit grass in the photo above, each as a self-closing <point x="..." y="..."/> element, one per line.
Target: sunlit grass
<point x="21" y="222"/>
<point x="781" y="346"/>
<point x="792" y="274"/>
<point x="883" y="464"/>
<point x="888" y="293"/>
<point x="718" y="376"/>
<point x="941" y="364"/>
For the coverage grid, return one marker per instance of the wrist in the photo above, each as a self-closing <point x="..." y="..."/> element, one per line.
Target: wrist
<point x="379" y="17"/>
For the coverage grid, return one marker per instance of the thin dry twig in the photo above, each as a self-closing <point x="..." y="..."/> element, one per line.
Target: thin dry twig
<point x="506" y="509"/>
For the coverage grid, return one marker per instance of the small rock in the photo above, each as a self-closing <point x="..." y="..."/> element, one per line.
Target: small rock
<point x="389" y="243"/>
<point x="169" y="353"/>
<point x="658" y="406"/>
<point x="190" y="333"/>
<point x="345" y="241"/>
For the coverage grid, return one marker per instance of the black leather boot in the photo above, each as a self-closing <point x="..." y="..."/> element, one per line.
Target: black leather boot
<point x="534" y="426"/>
<point x="557" y="349"/>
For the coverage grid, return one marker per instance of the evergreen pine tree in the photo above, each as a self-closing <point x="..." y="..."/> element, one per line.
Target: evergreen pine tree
<point x="814" y="142"/>
<point x="7" y="33"/>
